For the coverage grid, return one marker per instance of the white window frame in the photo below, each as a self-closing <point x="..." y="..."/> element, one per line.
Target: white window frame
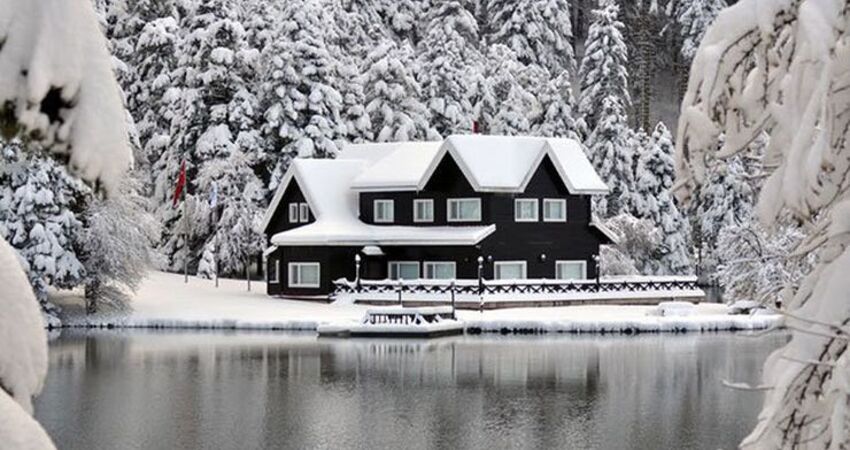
<point x="422" y="201"/>
<point x="399" y="263"/>
<point x="383" y="201"/>
<point x="425" y="265"/>
<point x="304" y="212"/>
<point x="524" y="265"/>
<point x="536" y="217"/>
<point x="295" y="266"/>
<point x="563" y="203"/>
<point x="274" y="275"/>
<point x="458" y="200"/>
<point x="580" y="262"/>
<point x="293" y="213"/>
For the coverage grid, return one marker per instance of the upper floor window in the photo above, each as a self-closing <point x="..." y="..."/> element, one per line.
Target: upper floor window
<point x="554" y="210"/>
<point x="464" y="209"/>
<point x="525" y="210"/>
<point x="299" y="213"/>
<point x="384" y="211"/>
<point x="423" y="210"/>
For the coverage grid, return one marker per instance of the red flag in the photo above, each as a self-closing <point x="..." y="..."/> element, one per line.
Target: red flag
<point x="474" y="127"/>
<point x="181" y="183"/>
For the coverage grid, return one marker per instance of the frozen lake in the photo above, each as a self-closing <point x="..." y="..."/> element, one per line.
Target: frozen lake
<point x="217" y="390"/>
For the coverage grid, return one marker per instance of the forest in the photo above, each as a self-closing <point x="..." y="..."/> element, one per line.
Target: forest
<point x="232" y="91"/>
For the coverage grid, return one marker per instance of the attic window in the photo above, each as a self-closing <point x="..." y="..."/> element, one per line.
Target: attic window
<point x="303" y="212"/>
<point x="293" y="213"/>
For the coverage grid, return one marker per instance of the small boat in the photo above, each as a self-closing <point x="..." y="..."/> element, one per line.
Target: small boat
<point x="397" y="321"/>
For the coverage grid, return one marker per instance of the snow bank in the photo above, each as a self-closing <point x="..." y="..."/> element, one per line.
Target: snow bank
<point x="18" y="430"/>
<point x="165" y="301"/>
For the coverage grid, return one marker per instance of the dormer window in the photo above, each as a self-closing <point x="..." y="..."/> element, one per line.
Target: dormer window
<point x="525" y="210"/>
<point x="464" y="209"/>
<point x="423" y="210"/>
<point x="293" y="213"/>
<point x="383" y="211"/>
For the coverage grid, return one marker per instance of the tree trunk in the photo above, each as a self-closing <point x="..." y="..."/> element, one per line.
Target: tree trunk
<point x="92" y="291"/>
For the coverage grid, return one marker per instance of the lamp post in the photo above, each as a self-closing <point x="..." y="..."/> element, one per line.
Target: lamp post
<point x="481" y="284"/>
<point x="357" y="271"/>
<point x="596" y="260"/>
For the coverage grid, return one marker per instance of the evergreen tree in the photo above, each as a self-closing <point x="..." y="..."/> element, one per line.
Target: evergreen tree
<point x="654" y="201"/>
<point x="603" y="70"/>
<point x="613" y="158"/>
<point x="392" y="96"/>
<point x="694" y="18"/>
<point x="508" y="103"/>
<point x="538" y="31"/>
<point x="302" y="109"/>
<point x="449" y="66"/>
<point x="403" y="18"/>
<point x="39" y="203"/>
<point x="558" y="103"/>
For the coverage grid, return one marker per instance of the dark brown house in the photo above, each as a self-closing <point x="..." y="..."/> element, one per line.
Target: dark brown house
<point x="428" y="210"/>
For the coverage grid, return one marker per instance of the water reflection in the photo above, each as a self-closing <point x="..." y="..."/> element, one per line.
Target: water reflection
<point x="226" y="390"/>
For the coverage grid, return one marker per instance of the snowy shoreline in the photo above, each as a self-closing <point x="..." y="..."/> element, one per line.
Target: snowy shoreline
<point x="164" y="301"/>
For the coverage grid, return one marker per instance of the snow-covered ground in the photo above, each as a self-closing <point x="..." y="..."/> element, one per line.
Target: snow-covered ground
<point x="165" y="301"/>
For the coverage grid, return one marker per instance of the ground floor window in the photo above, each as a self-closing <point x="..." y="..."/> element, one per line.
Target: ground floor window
<point x="304" y="275"/>
<point x="404" y="270"/>
<point x="440" y="270"/>
<point x="571" y="270"/>
<point x="509" y="270"/>
<point x="274" y="272"/>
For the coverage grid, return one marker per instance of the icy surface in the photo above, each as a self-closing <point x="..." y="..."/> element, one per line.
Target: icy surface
<point x="165" y="301"/>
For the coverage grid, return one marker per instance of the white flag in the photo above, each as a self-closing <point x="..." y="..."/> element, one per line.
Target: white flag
<point x="214" y="195"/>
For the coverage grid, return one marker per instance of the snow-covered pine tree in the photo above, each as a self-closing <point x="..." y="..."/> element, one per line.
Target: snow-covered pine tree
<point x="508" y="103"/>
<point x="636" y="248"/>
<point x="654" y="201"/>
<point x="603" y="72"/>
<point x="39" y="203"/>
<point x="694" y="17"/>
<point x="302" y="109"/>
<point x="118" y="235"/>
<point x="558" y="104"/>
<point x="726" y="200"/>
<point x="610" y="152"/>
<point x="538" y="31"/>
<point x="214" y="105"/>
<point x="449" y="67"/>
<point x="392" y="95"/>
<point x="403" y="18"/>
<point x="239" y="196"/>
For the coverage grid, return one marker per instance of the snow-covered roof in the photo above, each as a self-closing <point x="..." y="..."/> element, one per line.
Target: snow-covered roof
<point x="490" y="163"/>
<point x="326" y="185"/>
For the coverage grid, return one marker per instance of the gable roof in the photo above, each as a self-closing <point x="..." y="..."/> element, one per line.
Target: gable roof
<point x="326" y="185"/>
<point x="490" y="164"/>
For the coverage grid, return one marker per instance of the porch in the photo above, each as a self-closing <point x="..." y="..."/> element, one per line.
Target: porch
<point x="496" y="294"/>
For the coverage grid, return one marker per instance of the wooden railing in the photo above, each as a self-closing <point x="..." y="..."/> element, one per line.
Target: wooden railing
<point x="494" y="287"/>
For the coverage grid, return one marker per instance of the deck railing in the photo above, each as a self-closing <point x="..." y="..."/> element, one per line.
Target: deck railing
<point x="508" y="287"/>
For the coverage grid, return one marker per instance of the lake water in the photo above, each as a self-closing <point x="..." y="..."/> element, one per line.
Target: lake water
<point x="216" y="390"/>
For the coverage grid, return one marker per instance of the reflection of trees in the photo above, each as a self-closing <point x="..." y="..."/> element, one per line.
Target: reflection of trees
<point x="267" y="390"/>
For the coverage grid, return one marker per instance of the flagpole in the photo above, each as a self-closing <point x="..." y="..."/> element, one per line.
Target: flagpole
<point x="185" y="238"/>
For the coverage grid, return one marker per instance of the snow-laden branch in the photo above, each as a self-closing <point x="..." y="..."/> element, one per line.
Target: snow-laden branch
<point x="782" y="67"/>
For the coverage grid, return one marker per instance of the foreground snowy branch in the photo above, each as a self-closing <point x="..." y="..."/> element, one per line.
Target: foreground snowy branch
<point x="783" y="67"/>
<point x="57" y="90"/>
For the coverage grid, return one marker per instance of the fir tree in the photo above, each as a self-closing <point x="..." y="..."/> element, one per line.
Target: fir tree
<point x="694" y="18"/>
<point x="613" y="158"/>
<point x="508" y="102"/>
<point x="538" y="31"/>
<point x="39" y="203"/>
<point x="558" y="103"/>
<point x="603" y="70"/>
<point x="302" y="108"/>
<point x="449" y="65"/>
<point x="392" y="96"/>
<point x="654" y="201"/>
